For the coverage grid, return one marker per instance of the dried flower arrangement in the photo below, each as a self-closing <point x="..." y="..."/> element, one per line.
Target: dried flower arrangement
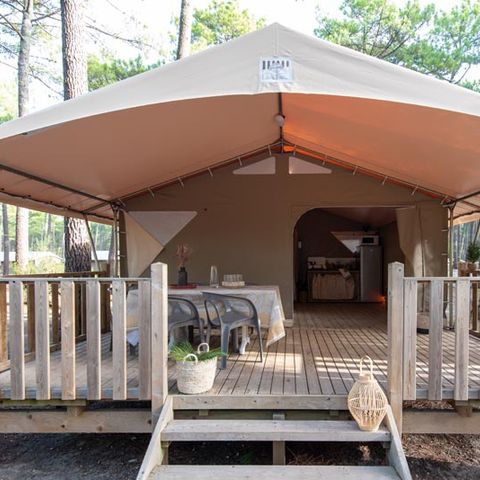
<point x="183" y="254"/>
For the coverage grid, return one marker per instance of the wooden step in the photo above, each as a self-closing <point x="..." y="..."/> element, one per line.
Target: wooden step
<point x="270" y="430"/>
<point x="263" y="472"/>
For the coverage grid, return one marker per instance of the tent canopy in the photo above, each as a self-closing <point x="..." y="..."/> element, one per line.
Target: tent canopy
<point x="80" y="156"/>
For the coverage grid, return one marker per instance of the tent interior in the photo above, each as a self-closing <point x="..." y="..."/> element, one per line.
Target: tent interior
<point x="342" y="254"/>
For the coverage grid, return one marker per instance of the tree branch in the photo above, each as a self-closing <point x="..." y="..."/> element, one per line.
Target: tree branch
<point x="132" y="41"/>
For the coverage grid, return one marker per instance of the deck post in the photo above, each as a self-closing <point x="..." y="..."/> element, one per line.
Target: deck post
<point x="395" y="340"/>
<point x="159" y="336"/>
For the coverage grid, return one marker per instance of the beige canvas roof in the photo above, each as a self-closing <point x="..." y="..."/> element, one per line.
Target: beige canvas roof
<point x="205" y="110"/>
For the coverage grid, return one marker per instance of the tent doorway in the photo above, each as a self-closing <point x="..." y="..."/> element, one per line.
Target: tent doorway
<point x="341" y="254"/>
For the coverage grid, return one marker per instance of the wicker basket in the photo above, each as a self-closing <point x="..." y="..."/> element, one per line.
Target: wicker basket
<point x="195" y="377"/>
<point x="366" y="401"/>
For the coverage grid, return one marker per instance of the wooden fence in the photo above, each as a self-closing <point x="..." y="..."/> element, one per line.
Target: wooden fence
<point x="442" y="298"/>
<point x="39" y="315"/>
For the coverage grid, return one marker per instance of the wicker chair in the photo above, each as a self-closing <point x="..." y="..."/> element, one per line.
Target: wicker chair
<point x="229" y="313"/>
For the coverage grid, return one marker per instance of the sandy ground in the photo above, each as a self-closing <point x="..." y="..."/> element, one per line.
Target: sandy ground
<point x="69" y="456"/>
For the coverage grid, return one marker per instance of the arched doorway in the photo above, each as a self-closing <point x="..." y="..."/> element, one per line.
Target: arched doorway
<point x="341" y="254"/>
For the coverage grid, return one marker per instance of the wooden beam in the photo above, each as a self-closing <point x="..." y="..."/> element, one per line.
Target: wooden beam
<point x="68" y="339"/>
<point x="159" y="321"/>
<point x="55" y="313"/>
<point x="155" y="454"/>
<point x="462" y="339"/>
<point x="441" y="422"/>
<point x="30" y="317"/>
<point x="16" y="341"/>
<point x="42" y="340"/>
<point x="3" y="324"/>
<point x="145" y="341"/>
<point x="95" y="421"/>
<point x="119" y="344"/>
<point x="94" y="346"/>
<point x="396" y="455"/>
<point x="260" y="402"/>
<point x="395" y="340"/>
<point x="435" y="341"/>
<point x="410" y="339"/>
<point x="278" y="447"/>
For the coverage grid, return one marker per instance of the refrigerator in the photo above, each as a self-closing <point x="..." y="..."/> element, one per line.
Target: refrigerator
<point x="371" y="267"/>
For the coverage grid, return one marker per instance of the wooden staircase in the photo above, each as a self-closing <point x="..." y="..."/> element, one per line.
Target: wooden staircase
<point x="170" y="430"/>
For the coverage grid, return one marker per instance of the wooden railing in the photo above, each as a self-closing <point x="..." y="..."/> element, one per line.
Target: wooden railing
<point x="60" y="312"/>
<point x="448" y="303"/>
<point x="29" y="301"/>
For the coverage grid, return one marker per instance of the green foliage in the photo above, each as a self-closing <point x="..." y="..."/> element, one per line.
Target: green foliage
<point x="221" y="21"/>
<point x="8" y="101"/>
<point x="439" y="43"/>
<point x="180" y="350"/>
<point x="110" y="70"/>
<point x="473" y="252"/>
<point x="6" y="118"/>
<point x="45" y="234"/>
<point x="375" y="27"/>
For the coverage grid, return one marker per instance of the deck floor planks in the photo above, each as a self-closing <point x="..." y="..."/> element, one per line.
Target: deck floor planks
<point x="258" y="369"/>
<point x="301" y="387"/>
<point x="318" y="356"/>
<point x="312" y="376"/>
<point x="265" y="386"/>
<point x="251" y="358"/>
<point x="289" y="371"/>
<point x="279" y="367"/>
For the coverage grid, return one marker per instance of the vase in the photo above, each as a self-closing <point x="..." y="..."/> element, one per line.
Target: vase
<point x="182" y="276"/>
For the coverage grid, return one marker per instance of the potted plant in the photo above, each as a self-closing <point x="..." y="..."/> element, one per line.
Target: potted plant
<point x="195" y="369"/>
<point x="183" y="254"/>
<point x="473" y="256"/>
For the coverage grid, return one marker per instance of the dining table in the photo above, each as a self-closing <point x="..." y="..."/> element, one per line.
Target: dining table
<point x="266" y="299"/>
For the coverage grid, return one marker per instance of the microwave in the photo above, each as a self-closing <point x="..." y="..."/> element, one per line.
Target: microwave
<point x="370" y="240"/>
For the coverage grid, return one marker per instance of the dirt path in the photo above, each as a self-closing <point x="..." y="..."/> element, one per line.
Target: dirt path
<point x="118" y="457"/>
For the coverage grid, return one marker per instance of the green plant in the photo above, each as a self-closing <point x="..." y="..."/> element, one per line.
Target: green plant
<point x="180" y="350"/>
<point x="473" y="252"/>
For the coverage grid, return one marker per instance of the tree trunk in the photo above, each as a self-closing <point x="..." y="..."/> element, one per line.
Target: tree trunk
<point x="77" y="246"/>
<point x="21" y="230"/>
<point x="75" y="83"/>
<point x="24" y="57"/>
<point x="5" y="240"/>
<point x="185" y="29"/>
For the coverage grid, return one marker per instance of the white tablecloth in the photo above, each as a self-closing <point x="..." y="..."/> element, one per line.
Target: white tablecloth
<point x="266" y="299"/>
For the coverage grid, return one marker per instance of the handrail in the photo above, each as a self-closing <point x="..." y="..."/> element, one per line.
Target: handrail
<point x="72" y="279"/>
<point x="57" y="274"/>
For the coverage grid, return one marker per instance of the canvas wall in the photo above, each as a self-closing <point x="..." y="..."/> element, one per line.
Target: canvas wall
<point x="245" y="223"/>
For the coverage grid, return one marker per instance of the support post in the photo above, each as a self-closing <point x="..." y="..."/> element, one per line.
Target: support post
<point x="395" y="340"/>
<point x="159" y="334"/>
<point x="92" y="243"/>
<point x="278" y="447"/>
<point x="451" y="320"/>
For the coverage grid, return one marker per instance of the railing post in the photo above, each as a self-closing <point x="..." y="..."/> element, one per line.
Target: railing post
<point x="3" y="324"/>
<point x="159" y="335"/>
<point x="395" y="340"/>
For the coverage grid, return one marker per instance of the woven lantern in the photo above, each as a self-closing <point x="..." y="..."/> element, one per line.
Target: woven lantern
<point x="366" y="401"/>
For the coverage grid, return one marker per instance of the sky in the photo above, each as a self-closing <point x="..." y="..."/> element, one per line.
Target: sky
<point x="153" y="18"/>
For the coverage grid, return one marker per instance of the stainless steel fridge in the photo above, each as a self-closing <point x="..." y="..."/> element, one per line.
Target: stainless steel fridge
<point x="371" y="268"/>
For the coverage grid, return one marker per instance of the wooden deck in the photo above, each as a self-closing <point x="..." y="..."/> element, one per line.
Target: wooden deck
<point x="318" y="356"/>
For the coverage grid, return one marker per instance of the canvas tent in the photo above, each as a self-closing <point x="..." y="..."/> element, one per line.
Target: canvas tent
<point x="271" y="89"/>
<point x="206" y="109"/>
